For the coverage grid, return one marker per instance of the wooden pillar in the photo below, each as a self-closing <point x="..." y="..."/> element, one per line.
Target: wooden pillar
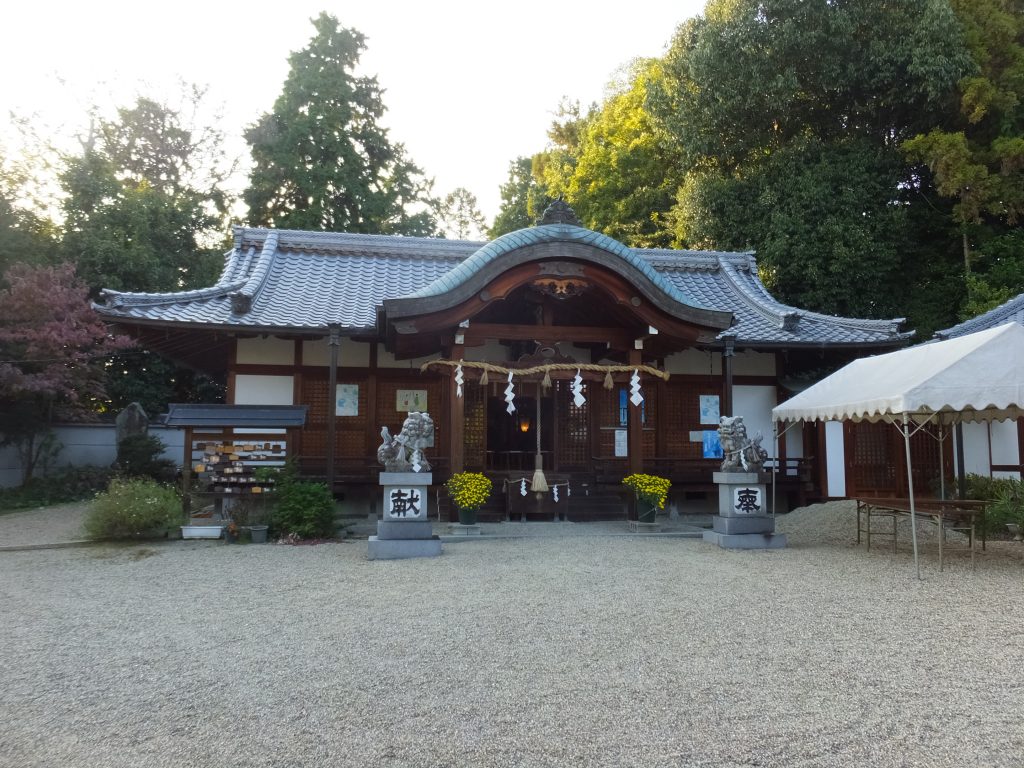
<point x="727" y="357"/>
<point x="186" y="474"/>
<point x="372" y="424"/>
<point x="332" y="395"/>
<point x="660" y="432"/>
<point x="456" y="417"/>
<point x="635" y="437"/>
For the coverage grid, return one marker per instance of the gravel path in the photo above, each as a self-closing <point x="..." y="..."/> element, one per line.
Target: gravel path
<point x="590" y="651"/>
<point x="49" y="525"/>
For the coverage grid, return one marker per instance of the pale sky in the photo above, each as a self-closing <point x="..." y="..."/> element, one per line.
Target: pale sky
<point x="469" y="86"/>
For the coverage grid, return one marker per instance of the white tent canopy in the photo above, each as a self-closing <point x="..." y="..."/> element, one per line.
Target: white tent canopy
<point x="979" y="377"/>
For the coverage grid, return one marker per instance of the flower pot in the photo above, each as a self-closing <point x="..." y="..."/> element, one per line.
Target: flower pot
<point x="258" y="534"/>
<point x="201" y="531"/>
<point x="646" y="512"/>
<point x="467" y="516"/>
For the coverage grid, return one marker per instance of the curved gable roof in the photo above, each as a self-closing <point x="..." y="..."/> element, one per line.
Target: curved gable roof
<point x="547" y="241"/>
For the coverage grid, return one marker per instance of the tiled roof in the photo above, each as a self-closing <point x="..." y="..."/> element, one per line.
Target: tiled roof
<point x="1010" y="312"/>
<point x="281" y="280"/>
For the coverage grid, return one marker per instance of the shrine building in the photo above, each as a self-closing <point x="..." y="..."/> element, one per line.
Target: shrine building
<point x="489" y="337"/>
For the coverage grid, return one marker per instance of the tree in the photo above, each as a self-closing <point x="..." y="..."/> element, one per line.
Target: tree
<point x="976" y="154"/>
<point x="52" y="349"/>
<point x="459" y="215"/>
<point x="25" y="236"/>
<point x="789" y="116"/>
<point x="321" y="158"/>
<point x="626" y="169"/>
<point x="522" y="199"/>
<point x="144" y="203"/>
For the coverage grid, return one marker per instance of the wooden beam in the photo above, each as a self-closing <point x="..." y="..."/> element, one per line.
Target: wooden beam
<point x="479" y="332"/>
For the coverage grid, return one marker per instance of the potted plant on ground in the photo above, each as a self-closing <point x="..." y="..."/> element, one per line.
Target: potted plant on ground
<point x="651" y="493"/>
<point x="469" y="491"/>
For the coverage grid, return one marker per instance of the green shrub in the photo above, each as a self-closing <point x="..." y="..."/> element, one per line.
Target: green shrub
<point x="133" y="508"/>
<point x="59" y="487"/>
<point x="139" y="456"/>
<point x="303" y="508"/>
<point x="1008" y="506"/>
<point x="1006" y="495"/>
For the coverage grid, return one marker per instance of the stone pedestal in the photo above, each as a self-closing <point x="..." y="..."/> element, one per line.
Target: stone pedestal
<point x="742" y="521"/>
<point x="405" y="529"/>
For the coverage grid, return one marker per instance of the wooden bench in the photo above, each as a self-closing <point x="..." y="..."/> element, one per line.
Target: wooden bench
<point x="963" y="515"/>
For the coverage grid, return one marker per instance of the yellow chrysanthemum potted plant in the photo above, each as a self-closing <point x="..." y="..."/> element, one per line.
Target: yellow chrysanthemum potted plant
<point x="651" y="494"/>
<point x="468" y="491"/>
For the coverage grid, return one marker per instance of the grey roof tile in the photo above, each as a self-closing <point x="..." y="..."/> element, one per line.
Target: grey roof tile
<point x="311" y="280"/>
<point x="1010" y="312"/>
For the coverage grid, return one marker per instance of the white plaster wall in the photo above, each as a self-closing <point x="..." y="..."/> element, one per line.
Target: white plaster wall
<point x="263" y="390"/>
<point x="351" y="354"/>
<point x="1004" y="442"/>
<point x="755" y="405"/>
<point x="750" y="363"/>
<point x="988" y="444"/>
<point x="268" y="351"/>
<point x="836" y="455"/>
<point x="794" y="440"/>
<point x="976" y="455"/>
<point x="89" y="445"/>
<point x="695" y="362"/>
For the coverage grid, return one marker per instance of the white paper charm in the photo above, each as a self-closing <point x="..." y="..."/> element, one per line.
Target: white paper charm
<point x="522" y="487"/>
<point x="510" y="394"/>
<point x="554" y="493"/>
<point x="577" y="390"/>
<point x="634" y="389"/>
<point x="458" y="380"/>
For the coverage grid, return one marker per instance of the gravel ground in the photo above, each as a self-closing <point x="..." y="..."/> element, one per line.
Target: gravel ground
<point x="573" y="651"/>
<point x="48" y="525"/>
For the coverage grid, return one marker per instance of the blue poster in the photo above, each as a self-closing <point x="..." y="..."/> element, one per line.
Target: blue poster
<point x="712" y="445"/>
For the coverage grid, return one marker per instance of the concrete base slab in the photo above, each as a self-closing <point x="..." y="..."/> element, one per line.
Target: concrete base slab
<point x="747" y="524"/>
<point x="399" y="549"/>
<point x="458" y="529"/>
<point x="404" y="529"/>
<point x="746" y="540"/>
<point x="639" y="527"/>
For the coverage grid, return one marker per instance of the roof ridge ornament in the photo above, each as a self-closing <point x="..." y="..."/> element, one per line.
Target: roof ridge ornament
<point x="559" y="212"/>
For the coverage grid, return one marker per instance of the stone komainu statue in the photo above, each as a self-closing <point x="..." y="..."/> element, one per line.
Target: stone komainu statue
<point x="739" y="452"/>
<point x="404" y="451"/>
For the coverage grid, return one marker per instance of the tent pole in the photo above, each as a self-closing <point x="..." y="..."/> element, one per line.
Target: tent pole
<point x="910" y="489"/>
<point x="775" y="465"/>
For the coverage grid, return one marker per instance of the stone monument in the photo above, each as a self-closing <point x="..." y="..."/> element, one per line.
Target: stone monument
<point x="404" y="529"/>
<point x="742" y="521"/>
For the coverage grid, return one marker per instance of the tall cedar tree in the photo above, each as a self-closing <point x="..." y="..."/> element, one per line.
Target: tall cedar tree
<point x="52" y="351"/>
<point x="321" y="159"/>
